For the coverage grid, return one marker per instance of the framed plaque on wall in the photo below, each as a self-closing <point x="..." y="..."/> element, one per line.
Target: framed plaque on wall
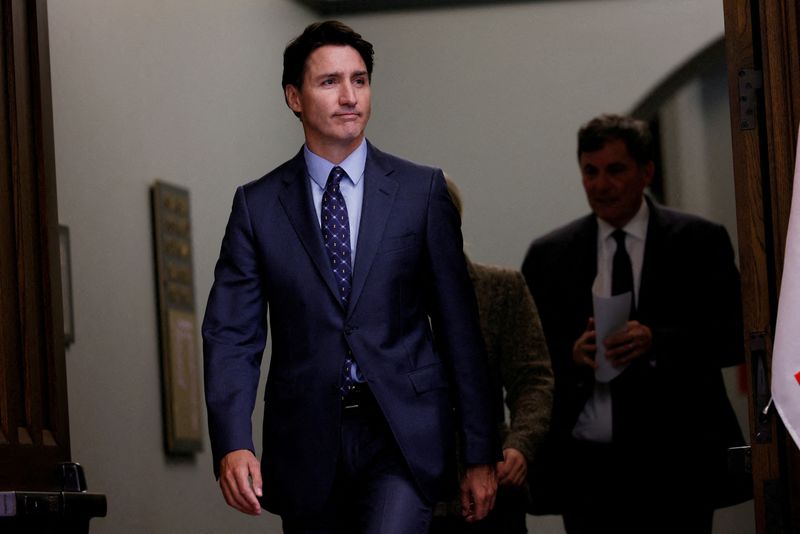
<point x="177" y="319"/>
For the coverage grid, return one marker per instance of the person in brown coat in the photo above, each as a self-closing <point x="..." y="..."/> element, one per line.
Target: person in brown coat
<point x="519" y="369"/>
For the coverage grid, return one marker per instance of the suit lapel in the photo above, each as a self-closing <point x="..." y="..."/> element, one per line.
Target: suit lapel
<point x="584" y="258"/>
<point x="650" y="264"/>
<point x="379" y="194"/>
<point x="296" y="201"/>
<point x="586" y="248"/>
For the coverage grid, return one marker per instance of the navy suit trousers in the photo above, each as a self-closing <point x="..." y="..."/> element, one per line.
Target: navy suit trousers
<point x="374" y="491"/>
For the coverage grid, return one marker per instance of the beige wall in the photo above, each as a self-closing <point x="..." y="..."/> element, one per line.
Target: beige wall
<point x="495" y="97"/>
<point x="188" y="91"/>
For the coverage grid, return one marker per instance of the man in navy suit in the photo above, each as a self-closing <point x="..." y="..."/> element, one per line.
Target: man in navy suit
<point x="376" y="347"/>
<point x="645" y="452"/>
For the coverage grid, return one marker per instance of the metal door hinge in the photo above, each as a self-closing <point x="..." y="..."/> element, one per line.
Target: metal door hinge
<point x="750" y="80"/>
<point x="759" y="345"/>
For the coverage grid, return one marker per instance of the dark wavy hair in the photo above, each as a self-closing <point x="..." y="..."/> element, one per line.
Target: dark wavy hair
<point x="316" y="35"/>
<point x="633" y="132"/>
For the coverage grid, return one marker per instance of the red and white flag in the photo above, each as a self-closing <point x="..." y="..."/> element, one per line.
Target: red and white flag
<point x="786" y="350"/>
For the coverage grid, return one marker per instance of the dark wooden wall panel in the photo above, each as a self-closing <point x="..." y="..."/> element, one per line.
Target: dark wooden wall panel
<point x="33" y="402"/>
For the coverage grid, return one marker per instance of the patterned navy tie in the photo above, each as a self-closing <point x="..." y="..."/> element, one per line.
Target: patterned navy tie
<point x="336" y="236"/>
<point x="336" y="233"/>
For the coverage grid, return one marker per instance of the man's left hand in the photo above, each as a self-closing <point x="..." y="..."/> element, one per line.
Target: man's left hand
<point x="478" y="490"/>
<point x="623" y="347"/>
<point x="513" y="469"/>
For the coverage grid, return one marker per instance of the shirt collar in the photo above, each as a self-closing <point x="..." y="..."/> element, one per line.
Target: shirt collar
<point x="636" y="227"/>
<point x="319" y="168"/>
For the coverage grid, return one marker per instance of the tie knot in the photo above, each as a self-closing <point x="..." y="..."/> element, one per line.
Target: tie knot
<point x="335" y="176"/>
<point x="619" y="237"/>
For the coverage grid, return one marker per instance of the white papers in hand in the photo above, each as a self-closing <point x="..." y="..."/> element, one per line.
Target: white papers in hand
<point x="610" y="316"/>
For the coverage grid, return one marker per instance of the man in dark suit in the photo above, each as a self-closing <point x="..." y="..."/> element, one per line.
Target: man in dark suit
<point x="355" y="254"/>
<point x="644" y="452"/>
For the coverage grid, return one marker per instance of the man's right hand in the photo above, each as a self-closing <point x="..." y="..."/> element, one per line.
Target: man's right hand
<point x="240" y="480"/>
<point x="583" y="351"/>
<point x="478" y="492"/>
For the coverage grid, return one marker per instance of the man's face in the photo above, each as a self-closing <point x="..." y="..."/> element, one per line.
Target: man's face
<point x="334" y="102"/>
<point x="614" y="182"/>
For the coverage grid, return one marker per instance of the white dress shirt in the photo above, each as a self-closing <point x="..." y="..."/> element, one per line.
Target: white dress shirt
<point x="595" y="421"/>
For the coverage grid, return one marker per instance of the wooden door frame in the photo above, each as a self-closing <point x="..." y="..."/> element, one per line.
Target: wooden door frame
<point x="763" y="59"/>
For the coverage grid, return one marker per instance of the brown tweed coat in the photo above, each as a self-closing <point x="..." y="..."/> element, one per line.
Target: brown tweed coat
<point x="519" y="362"/>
